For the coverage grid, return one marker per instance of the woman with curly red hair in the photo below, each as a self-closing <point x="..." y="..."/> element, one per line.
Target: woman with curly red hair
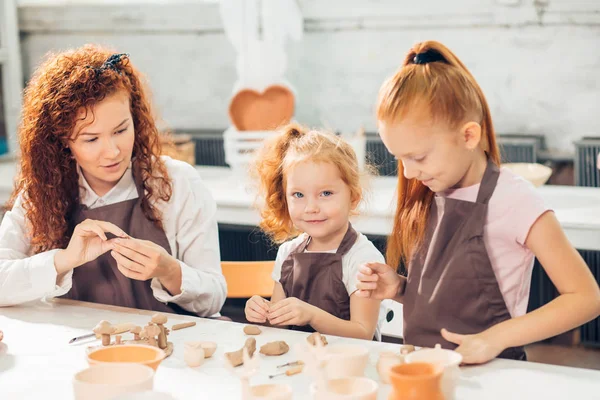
<point x="97" y="215"/>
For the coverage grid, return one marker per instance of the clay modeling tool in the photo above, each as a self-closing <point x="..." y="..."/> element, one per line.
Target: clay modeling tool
<point x="119" y="328"/>
<point x="291" y="364"/>
<point x="292" y="371"/>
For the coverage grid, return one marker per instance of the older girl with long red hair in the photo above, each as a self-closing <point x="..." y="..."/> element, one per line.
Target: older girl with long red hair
<point x="97" y="215"/>
<point x="467" y="229"/>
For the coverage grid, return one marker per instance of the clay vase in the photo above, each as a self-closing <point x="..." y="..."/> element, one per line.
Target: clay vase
<point x="416" y="381"/>
<point x="449" y="360"/>
<point x="388" y="359"/>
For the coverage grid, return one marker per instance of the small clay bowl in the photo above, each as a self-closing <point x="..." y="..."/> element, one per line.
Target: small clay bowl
<point x="271" y="392"/>
<point x="105" y="381"/>
<point x="127" y="353"/>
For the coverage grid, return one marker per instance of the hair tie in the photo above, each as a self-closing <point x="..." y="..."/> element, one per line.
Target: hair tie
<point x="428" y="56"/>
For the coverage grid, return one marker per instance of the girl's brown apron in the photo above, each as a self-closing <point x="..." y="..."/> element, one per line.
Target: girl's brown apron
<point x="316" y="278"/>
<point x="454" y="287"/>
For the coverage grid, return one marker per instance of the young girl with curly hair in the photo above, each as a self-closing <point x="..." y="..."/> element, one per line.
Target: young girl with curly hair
<point x="311" y="184"/>
<point x="97" y="215"/>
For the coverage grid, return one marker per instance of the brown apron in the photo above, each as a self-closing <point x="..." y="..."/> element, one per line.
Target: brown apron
<point x="100" y="281"/>
<point x="316" y="278"/>
<point x="455" y="287"/>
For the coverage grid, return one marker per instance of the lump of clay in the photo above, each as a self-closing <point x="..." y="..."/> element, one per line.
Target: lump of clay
<point x="312" y="339"/>
<point x="274" y="348"/>
<point x="104" y="329"/>
<point x="236" y="357"/>
<point x="252" y="330"/>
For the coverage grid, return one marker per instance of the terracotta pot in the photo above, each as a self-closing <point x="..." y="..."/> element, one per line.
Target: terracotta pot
<point x="449" y="360"/>
<point x="127" y="353"/>
<point x="250" y="110"/>
<point x="387" y="360"/>
<point x="416" y="381"/>
<point x="105" y="381"/>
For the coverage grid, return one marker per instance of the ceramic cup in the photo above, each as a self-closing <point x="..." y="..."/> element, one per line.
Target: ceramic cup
<point x="271" y="392"/>
<point x="106" y="381"/>
<point x="193" y="354"/>
<point x="450" y="360"/>
<point x="387" y="359"/>
<point x="346" y="360"/>
<point x="349" y="388"/>
<point x="127" y="353"/>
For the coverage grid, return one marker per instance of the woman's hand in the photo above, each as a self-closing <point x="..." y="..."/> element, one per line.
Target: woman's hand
<point x="142" y="260"/>
<point x="87" y="243"/>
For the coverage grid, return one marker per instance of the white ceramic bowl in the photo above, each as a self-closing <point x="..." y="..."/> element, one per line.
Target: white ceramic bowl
<point x="106" y="381"/>
<point x="346" y="360"/>
<point x="537" y="174"/>
<point x="350" y="388"/>
<point x="271" y="392"/>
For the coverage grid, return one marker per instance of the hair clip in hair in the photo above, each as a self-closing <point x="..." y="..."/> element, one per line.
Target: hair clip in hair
<point x="428" y="56"/>
<point x="112" y="63"/>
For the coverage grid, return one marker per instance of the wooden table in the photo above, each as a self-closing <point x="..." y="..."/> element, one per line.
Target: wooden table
<point x="36" y="361"/>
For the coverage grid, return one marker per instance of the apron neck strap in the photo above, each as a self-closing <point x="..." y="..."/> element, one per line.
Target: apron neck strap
<point x="347" y="242"/>
<point x="488" y="183"/>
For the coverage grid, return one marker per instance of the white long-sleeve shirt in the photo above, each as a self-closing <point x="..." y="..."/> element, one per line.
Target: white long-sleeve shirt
<point x="189" y="222"/>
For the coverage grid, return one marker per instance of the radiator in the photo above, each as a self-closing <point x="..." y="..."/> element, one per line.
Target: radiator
<point x="586" y="157"/>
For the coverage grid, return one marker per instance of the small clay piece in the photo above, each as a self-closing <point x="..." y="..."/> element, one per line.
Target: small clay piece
<point x="151" y="332"/>
<point x="136" y="332"/>
<point x="236" y="358"/>
<point x="176" y="327"/>
<point x="252" y="330"/>
<point x="193" y="354"/>
<point x="118" y="339"/>
<point x="104" y="329"/>
<point x="160" y="320"/>
<point x="209" y="348"/>
<point x="407" y="348"/>
<point x="275" y="348"/>
<point x="311" y="339"/>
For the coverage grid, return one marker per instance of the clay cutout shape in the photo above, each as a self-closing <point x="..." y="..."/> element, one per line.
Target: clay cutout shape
<point x="250" y="110"/>
<point x="177" y="327"/>
<point x="274" y="348"/>
<point x="193" y="354"/>
<point x="311" y="339"/>
<point x="160" y="320"/>
<point x="252" y="330"/>
<point x="104" y="329"/>
<point x="236" y="358"/>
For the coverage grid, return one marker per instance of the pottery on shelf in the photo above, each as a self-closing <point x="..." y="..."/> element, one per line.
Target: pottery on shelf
<point x="449" y="360"/>
<point x="108" y="380"/>
<point x="416" y="381"/>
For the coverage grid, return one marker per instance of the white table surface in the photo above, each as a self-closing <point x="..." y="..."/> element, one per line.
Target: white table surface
<point x="36" y="361"/>
<point x="577" y="208"/>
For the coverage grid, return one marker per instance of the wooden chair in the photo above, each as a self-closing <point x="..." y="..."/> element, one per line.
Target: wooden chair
<point x="247" y="278"/>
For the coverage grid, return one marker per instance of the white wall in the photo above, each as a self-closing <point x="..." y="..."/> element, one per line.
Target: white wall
<point x="537" y="61"/>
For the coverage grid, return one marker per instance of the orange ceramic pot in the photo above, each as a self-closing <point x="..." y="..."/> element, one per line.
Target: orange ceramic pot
<point x="128" y="353"/>
<point x="416" y="381"/>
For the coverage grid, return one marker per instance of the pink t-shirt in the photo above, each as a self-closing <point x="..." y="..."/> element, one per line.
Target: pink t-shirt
<point x="513" y="208"/>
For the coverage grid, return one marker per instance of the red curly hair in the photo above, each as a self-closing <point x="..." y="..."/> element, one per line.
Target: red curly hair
<point x="48" y="182"/>
<point x="293" y="145"/>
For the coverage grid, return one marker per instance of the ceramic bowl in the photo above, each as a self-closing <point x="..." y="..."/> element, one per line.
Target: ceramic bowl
<point x="346" y="360"/>
<point x="449" y="360"/>
<point x="349" y="388"/>
<point x="271" y="392"/>
<point x="537" y="174"/>
<point x="105" y="381"/>
<point x="127" y="353"/>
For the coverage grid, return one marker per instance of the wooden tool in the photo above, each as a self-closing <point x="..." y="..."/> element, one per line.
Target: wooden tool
<point x="292" y="371"/>
<point x="291" y="364"/>
<point x="183" y="325"/>
<point x="119" y="328"/>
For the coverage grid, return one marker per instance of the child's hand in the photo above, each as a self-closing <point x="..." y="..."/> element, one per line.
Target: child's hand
<point x="291" y="311"/>
<point x="377" y="281"/>
<point x="257" y="309"/>
<point x="475" y="349"/>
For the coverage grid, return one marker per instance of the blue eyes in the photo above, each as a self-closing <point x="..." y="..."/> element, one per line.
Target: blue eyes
<point x="117" y="133"/>
<point x="325" y="193"/>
